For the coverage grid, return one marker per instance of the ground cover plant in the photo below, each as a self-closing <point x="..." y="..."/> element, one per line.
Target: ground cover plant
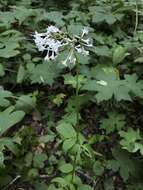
<point x="71" y="95"/>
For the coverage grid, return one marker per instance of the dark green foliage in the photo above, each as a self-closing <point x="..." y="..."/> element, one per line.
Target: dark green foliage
<point x="38" y="131"/>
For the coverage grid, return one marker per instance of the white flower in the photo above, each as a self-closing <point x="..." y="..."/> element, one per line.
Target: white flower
<point x="44" y="42"/>
<point x="70" y="59"/>
<point x="81" y="50"/>
<point x="102" y="82"/>
<point x="87" y="42"/>
<point x="85" y="31"/>
<point x="39" y="41"/>
<point x="49" y="42"/>
<point x="52" y="48"/>
<point x="52" y="29"/>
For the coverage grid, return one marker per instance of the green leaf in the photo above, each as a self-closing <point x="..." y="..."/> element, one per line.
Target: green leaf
<point x="28" y="159"/>
<point x="61" y="181"/>
<point x="66" y="130"/>
<point x="119" y="54"/>
<point x="108" y="184"/>
<point x="52" y="187"/>
<point x="21" y="74"/>
<point x="41" y="186"/>
<point x="44" y="73"/>
<point x="66" y="168"/>
<point x="68" y="144"/>
<point x="134" y="85"/>
<point x="115" y="121"/>
<point x="55" y="16"/>
<point x="85" y="187"/>
<point x="98" y="168"/>
<point x="21" y="13"/>
<point x="75" y="29"/>
<point x="8" y="144"/>
<point x="71" y="80"/>
<point x="102" y="51"/>
<point x="8" y="118"/>
<point x="46" y="138"/>
<point x="108" y="85"/>
<point x="26" y="103"/>
<point x="8" y="19"/>
<point x="39" y="159"/>
<point x="1" y="159"/>
<point x="4" y="94"/>
<point x="135" y="186"/>
<point x="104" y="14"/>
<point x="130" y="140"/>
<point x="10" y="45"/>
<point x="126" y="165"/>
<point x="2" y="72"/>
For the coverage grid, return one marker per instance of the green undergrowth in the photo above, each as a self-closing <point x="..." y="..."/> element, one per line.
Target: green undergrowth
<point x="38" y="131"/>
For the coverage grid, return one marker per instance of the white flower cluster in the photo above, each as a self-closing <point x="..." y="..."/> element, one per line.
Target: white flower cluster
<point x="52" y="41"/>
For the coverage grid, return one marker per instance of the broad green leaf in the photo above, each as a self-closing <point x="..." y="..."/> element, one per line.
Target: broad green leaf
<point x="114" y="122"/>
<point x="135" y="186"/>
<point x="71" y="80"/>
<point x="8" y="19"/>
<point x="8" y="118"/>
<point x="61" y="181"/>
<point x="28" y="159"/>
<point x="21" y="13"/>
<point x="68" y="144"/>
<point x="46" y="138"/>
<point x="104" y="14"/>
<point x="98" y="168"/>
<point x="10" y="44"/>
<point x="32" y="173"/>
<point x="52" y="187"/>
<point x="10" y="143"/>
<point x="21" y="74"/>
<point x="131" y="140"/>
<point x="1" y="159"/>
<point x="66" y="130"/>
<point x="75" y="29"/>
<point x="85" y="187"/>
<point x="39" y="159"/>
<point x="55" y="16"/>
<point x="102" y="51"/>
<point x="119" y="54"/>
<point x="2" y="72"/>
<point x="108" y="85"/>
<point x="66" y="168"/>
<point x="59" y="98"/>
<point x="108" y="184"/>
<point x="4" y="95"/>
<point x="134" y="85"/>
<point x="41" y="185"/>
<point x="126" y="165"/>
<point x="26" y="103"/>
<point x="44" y="73"/>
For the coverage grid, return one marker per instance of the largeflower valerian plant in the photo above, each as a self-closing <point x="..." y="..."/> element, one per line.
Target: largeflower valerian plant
<point x="54" y="41"/>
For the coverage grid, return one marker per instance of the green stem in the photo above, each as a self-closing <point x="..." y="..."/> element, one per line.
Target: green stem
<point x="77" y="114"/>
<point x="137" y="19"/>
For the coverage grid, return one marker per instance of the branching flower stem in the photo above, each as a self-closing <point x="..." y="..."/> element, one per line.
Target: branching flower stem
<point x="77" y="114"/>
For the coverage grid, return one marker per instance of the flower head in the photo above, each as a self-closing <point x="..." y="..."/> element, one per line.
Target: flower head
<point x="54" y="39"/>
<point x="52" y="29"/>
<point x="85" y="31"/>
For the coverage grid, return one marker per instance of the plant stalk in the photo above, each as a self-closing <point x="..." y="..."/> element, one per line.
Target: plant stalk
<point x="77" y="107"/>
